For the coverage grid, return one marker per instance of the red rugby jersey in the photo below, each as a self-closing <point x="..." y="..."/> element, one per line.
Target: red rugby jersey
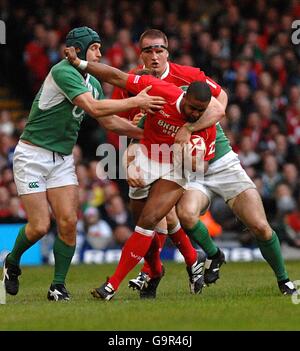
<point x="176" y="74"/>
<point x="162" y="126"/>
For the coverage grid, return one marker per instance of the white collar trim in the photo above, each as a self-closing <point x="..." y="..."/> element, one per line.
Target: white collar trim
<point x="166" y="72"/>
<point x="178" y="102"/>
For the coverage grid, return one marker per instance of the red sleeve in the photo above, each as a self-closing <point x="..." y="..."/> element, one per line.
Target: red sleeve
<point x="210" y="142"/>
<point x="169" y="91"/>
<point x="215" y="88"/>
<point x="137" y="83"/>
<point x="188" y="74"/>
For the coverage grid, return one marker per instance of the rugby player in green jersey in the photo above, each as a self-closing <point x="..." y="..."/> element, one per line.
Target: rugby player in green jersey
<point x="43" y="164"/>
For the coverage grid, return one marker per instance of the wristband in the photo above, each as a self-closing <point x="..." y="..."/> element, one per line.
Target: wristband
<point x="190" y="127"/>
<point x="82" y="65"/>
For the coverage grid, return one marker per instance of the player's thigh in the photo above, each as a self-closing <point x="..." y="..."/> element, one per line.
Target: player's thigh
<point x="248" y="207"/>
<point x="64" y="204"/>
<point x="192" y="203"/>
<point x="164" y="194"/>
<point x="136" y="208"/>
<point x="38" y="215"/>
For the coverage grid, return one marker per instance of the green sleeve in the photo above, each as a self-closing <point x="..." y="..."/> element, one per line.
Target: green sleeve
<point x="69" y="80"/>
<point x="140" y="125"/>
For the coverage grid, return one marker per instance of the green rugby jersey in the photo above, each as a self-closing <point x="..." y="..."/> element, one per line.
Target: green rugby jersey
<point x="222" y="144"/>
<point x="54" y="121"/>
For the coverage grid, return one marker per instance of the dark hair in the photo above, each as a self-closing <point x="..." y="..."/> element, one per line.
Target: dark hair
<point x="153" y="34"/>
<point x="145" y="71"/>
<point x="199" y="90"/>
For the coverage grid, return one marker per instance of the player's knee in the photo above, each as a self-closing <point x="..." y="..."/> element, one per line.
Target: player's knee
<point x="188" y="217"/>
<point x="40" y="229"/>
<point x="262" y="230"/>
<point x="67" y="224"/>
<point x="149" y="220"/>
<point x="172" y="220"/>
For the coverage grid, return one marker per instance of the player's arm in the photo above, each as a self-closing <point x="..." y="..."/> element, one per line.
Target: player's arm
<point x="213" y="114"/>
<point x="99" y="70"/>
<point x="116" y="77"/>
<point x="223" y="98"/>
<point x="100" y="108"/>
<point x="121" y="126"/>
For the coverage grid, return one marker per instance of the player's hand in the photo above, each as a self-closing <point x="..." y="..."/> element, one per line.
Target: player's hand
<point x="71" y="56"/>
<point x="183" y="136"/>
<point x="137" y="118"/>
<point x="135" y="176"/>
<point x="149" y="103"/>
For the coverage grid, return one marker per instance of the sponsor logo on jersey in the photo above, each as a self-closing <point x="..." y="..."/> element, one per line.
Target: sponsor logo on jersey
<point x="164" y="113"/>
<point x="33" y="185"/>
<point x="168" y="128"/>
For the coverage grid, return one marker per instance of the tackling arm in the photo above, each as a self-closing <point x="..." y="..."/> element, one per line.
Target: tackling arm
<point x="100" y="108"/>
<point x="213" y="114"/>
<point x="121" y="126"/>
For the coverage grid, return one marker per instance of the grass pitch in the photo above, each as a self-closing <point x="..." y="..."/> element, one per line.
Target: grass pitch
<point x="245" y="298"/>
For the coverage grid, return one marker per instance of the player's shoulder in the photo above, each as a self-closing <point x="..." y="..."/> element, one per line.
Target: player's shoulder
<point x="185" y="70"/>
<point x="64" y="67"/>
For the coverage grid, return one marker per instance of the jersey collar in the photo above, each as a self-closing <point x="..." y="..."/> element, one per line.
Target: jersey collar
<point x="178" y="102"/>
<point x="87" y="78"/>
<point x="166" y="72"/>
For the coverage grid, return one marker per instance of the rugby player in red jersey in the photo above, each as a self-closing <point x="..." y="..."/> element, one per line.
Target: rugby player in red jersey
<point x="166" y="187"/>
<point x="154" y="54"/>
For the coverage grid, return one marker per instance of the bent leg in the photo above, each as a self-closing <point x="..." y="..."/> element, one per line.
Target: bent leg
<point x="163" y="196"/>
<point x="37" y="210"/>
<point x="248" y="207"/>
<point x="180" y="239"/>
<point x="189" y="208"/>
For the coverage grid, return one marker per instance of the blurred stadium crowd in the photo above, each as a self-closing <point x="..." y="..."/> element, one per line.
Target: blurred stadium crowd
<point x="244" y="45"/>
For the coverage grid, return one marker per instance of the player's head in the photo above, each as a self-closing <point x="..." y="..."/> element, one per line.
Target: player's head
<point x="86" y="42"/>
<point x="154" y="50"/>
<point x="195" y="100"/>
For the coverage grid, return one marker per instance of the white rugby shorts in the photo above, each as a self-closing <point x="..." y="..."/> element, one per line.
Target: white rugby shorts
<point x="225" y="177"/>
<point x="151" y="171"/>
<point x="37" y="169"/>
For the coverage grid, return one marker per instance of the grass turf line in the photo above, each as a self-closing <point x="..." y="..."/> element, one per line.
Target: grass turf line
<point x="245" y="298"/>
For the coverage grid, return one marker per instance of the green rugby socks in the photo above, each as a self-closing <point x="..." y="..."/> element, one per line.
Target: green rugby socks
<point x="200" y="235"/>
<point x="21" y="245"/>
<point x="271" y="252"/>
<point x="63" y="255"/>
